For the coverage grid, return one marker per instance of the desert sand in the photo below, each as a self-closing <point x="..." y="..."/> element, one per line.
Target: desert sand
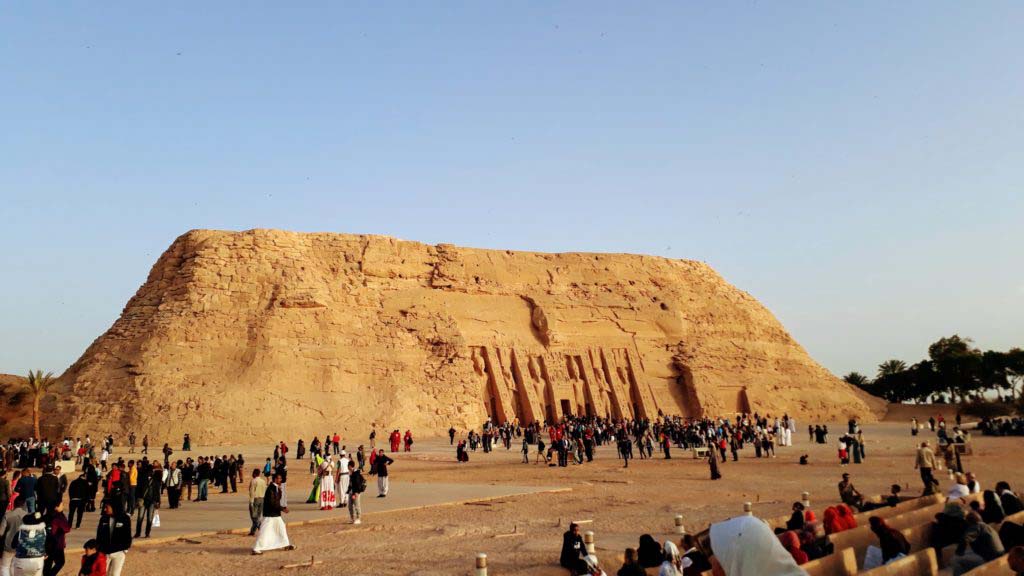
<point x="622" y="504"/>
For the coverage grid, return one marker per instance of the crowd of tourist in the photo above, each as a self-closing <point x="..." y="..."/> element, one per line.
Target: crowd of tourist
<point x="36" y="522"/>
<point x="1003" y="426"/>
<point x="969" y="524"/>
<point x="575" y="439"/>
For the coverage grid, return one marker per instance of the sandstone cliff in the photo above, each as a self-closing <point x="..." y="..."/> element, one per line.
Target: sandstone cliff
<point x="268" y="335"/>
<point x="15" y="407"/>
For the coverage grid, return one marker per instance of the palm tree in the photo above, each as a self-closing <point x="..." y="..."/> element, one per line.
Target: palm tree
<point x="890" y="367"/>
<point x="857" y="379"/>
<point x="37" y="384"/>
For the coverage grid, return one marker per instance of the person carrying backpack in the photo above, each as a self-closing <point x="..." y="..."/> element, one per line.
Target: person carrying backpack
<point x="29" y="545"/>
<point x="356" y="486"/>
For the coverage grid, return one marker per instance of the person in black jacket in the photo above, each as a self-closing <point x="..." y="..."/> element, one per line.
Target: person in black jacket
<point x="695" y="561"/>
<point x="114" y="537"/>
<point x="383" y="482"/>
<point x="796" y="521"/>
<point x="78" y="495"/>
<point x="273" y="534"/>
<point x="573" y="550"/>
<point x="630" y="565"/>
<point x="148" y="500"/>
<point x="1011" y="503"/>
<point x="47" y="491"/>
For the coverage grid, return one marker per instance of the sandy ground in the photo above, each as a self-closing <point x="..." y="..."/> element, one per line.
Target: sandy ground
<point x="622" y="504"/>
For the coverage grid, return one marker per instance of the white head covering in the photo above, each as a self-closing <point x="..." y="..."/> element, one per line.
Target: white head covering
<point x="669" y="565"/>
<point x="746" y="546"/>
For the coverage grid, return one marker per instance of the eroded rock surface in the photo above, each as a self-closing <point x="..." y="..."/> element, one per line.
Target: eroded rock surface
<point x="272" y="335"/>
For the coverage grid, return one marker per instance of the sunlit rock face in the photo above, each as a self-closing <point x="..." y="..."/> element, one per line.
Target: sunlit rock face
<point x="268" y="335"/>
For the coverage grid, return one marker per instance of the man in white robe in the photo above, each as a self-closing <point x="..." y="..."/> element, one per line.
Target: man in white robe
<point x="343" y="479"/>
<point x="273" y="534"/>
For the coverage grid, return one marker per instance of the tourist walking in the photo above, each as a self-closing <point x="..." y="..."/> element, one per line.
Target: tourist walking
<point x="9" y="526"/>
<point x="383" y="482"/>
<point x="78" y="492"/>
<point x="149" y="500"/>
<point x="114" y="537"/>
<point x="30" y="548"/>
<point x="257" y="489"/>
<point x="56" y="541"/>
<point x="925" y="463"/>
<point x="273" y="535"/>
<point x="356" y="487"/>
<point x="94" y="562"/>
<point x="713" y="465"/>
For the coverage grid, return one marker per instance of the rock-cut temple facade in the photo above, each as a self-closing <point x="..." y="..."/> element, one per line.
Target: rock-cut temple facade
<point x="273" y="335"/>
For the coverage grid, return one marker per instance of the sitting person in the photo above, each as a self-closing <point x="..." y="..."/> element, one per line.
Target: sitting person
<point x="894" y="495"/>
<point x="972" y="483"/>
<point x="846" y="517"/>
<point x="791" y="542"/>
<point x="1011" y="534"/>
<point x="993" y="510"/>
<point x="592" y="566"/>
<point x="796" y="521"/>
<point x="949" y="526"/>
<point x="672" y="562"/>
<point x="695" y="561"/>
<point x="980" y="544"/>
<point x="848" y="494"/>
<point x="815" y="545"/>
<point x="746" y="546"/>
<point x="959" y="488"/>
<point x="888" y="501"/>
<point x="573" y="551"/>
<point x="892" y="542"/>
<point x="831" y="521"/>
<point x="649" y="553"/>
<point x="1011" y="503"/>
<point x="1016" y="560"/>
<point x="631" y="565"/>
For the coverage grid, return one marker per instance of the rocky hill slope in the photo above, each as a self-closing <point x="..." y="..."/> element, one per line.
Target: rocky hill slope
<point x="273" y="335"/>
<point x="15" y="407"/>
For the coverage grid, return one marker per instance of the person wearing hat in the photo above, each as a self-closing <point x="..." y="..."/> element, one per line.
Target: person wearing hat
<point x="343" y="478"/>
<point x="29" y="545"/>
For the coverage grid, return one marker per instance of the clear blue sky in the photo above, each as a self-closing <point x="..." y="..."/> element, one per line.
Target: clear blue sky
<point x="857" y="166"/>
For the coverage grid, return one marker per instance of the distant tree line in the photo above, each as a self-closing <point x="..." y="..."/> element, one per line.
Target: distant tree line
<point x="955" y="371"/>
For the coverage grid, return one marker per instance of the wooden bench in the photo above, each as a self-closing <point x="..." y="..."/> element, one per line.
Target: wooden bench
<point x="998" y="567"/>
<point x="840" y="563"/>
<point x="699" y="452"/>
<point x="901" y="508"/>
<point x="1017" y="518"/>
<point x="861" y="537"/>
<point x="919" y="537"/>
<point x="922" y="563"/>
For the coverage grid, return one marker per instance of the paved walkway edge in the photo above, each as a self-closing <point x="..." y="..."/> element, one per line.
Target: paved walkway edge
<point x="147" y="542"/>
